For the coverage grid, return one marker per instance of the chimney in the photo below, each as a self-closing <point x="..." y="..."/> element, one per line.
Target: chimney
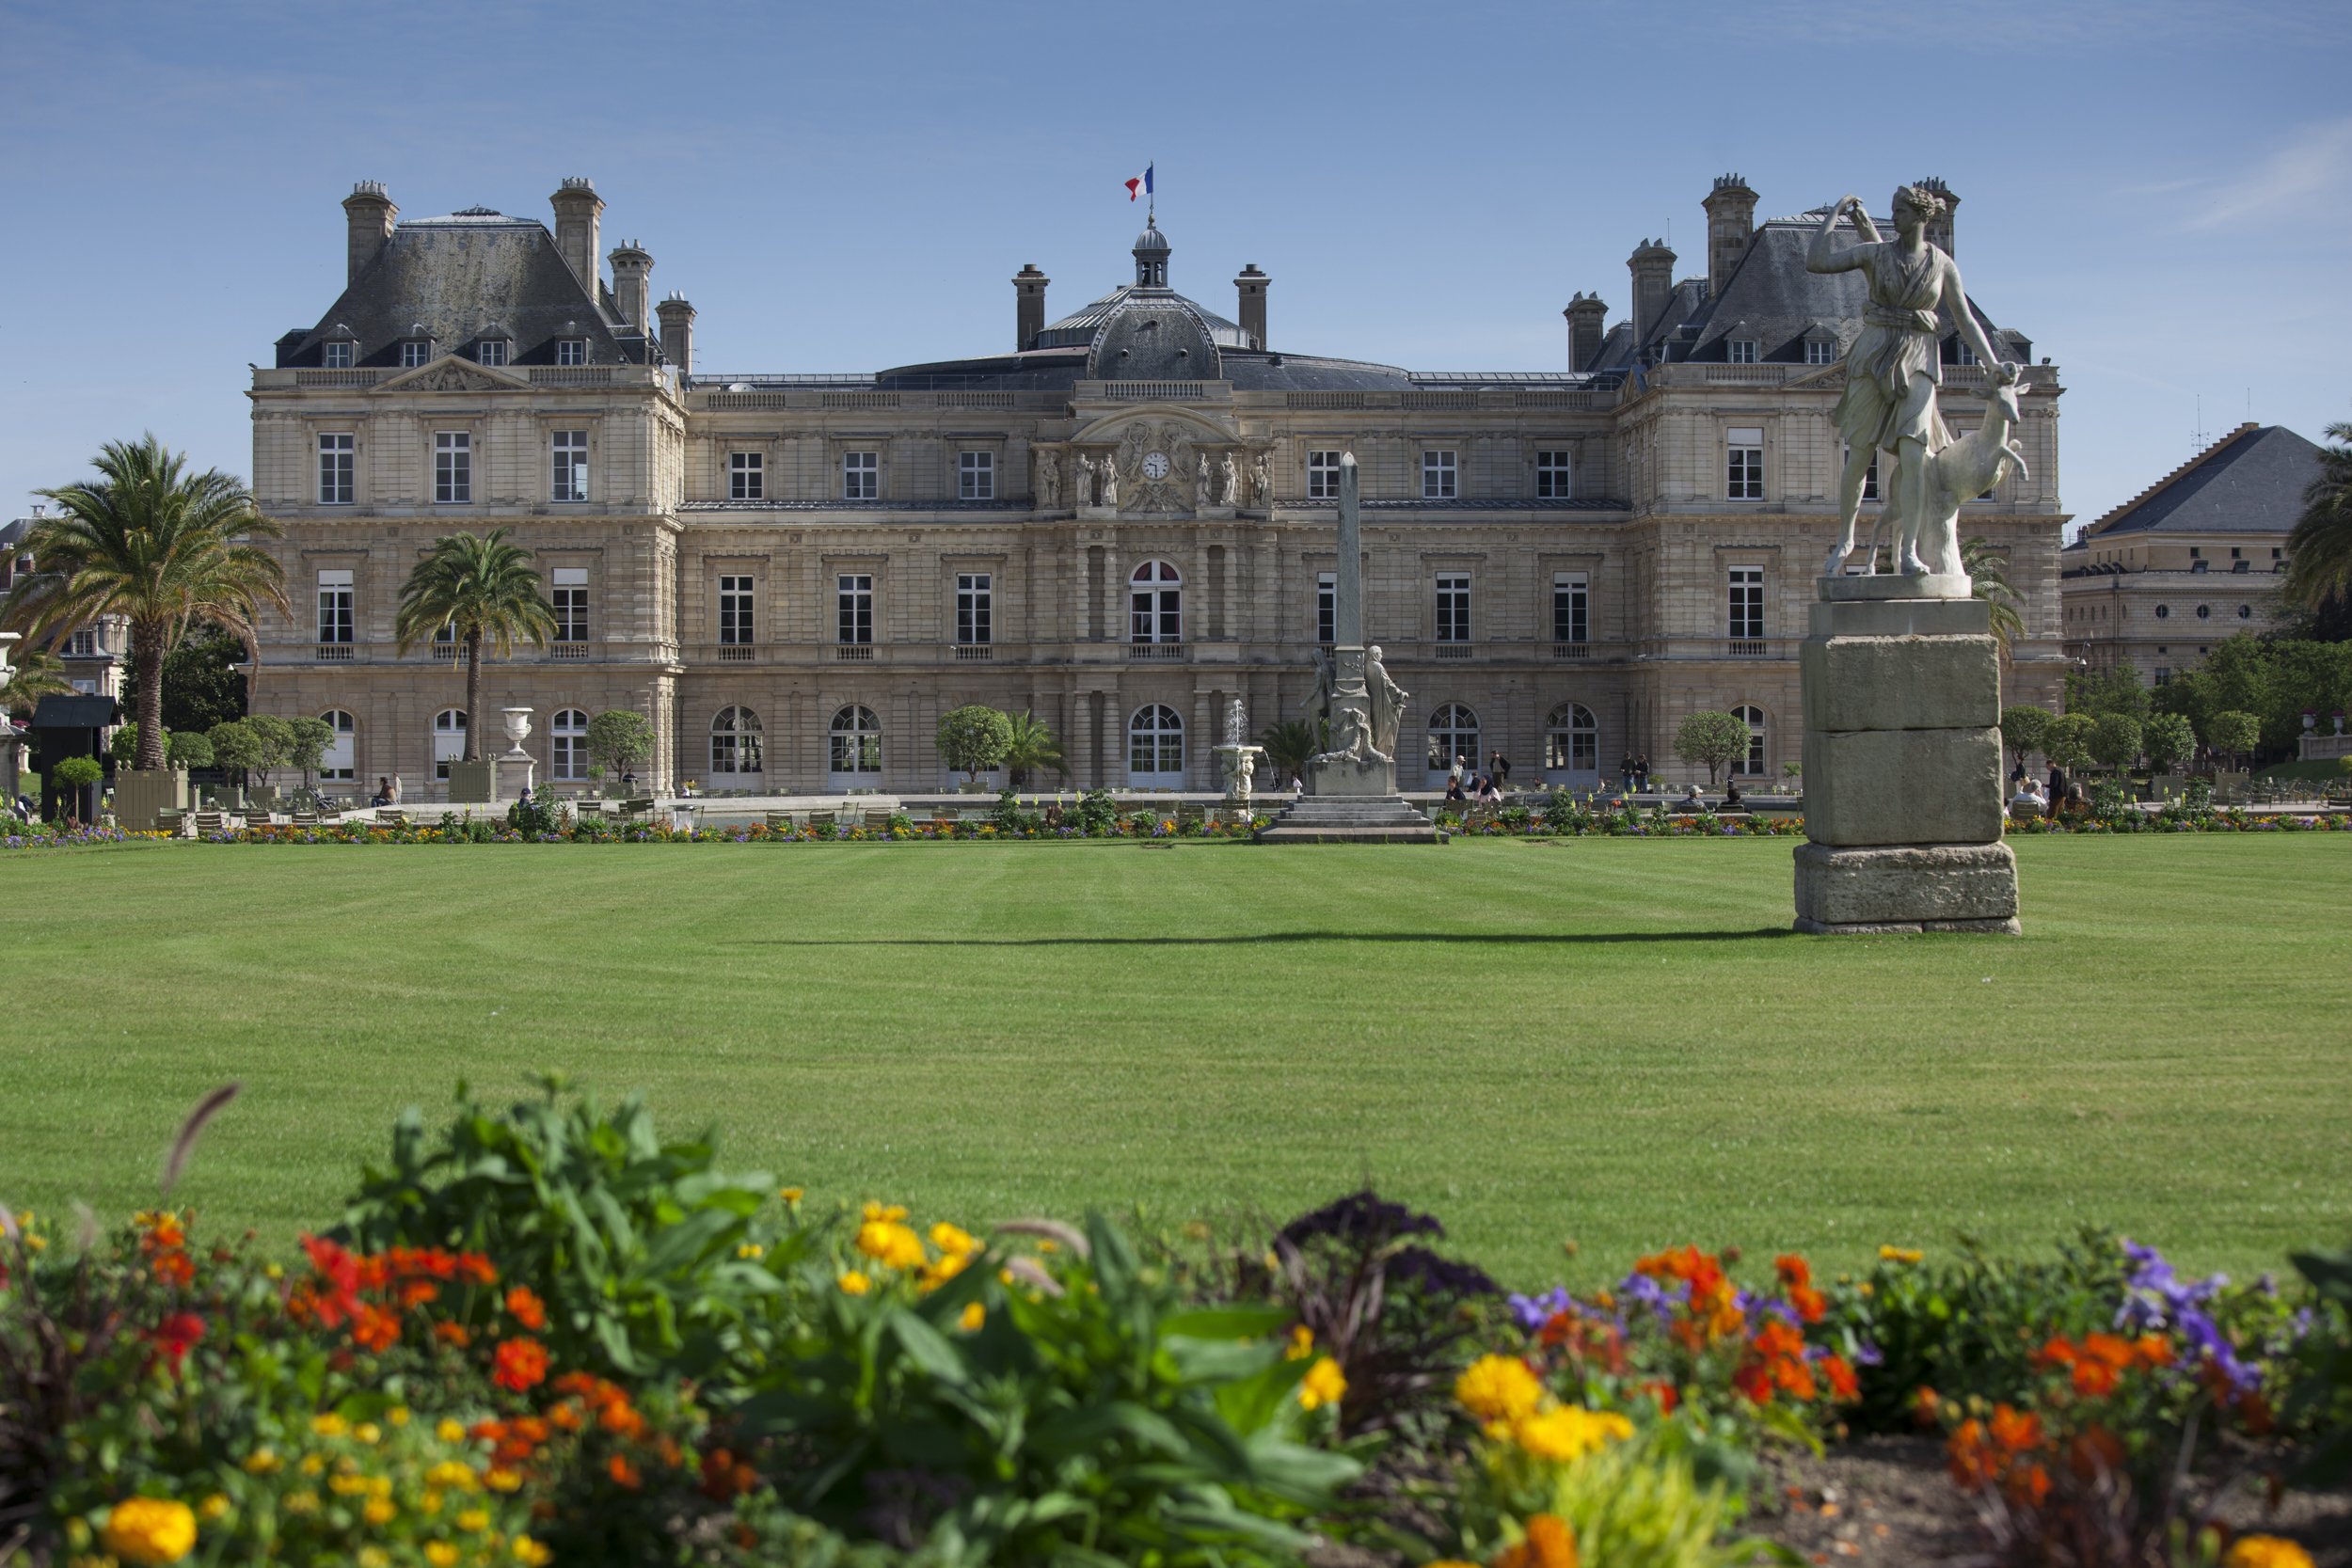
<point x="1653" y="268"/>
<point x="678" y="333"/>
<point x="1731" y="220"/>
<point x="1252" y="286"/>
<point x="1028" y="306"/>
<point x="1588" y="322"/>
<point x="368" y="215"/>
<point x="578" y="214"/>
<point x="631" y="289"/>
<point x="1940" y="230"/>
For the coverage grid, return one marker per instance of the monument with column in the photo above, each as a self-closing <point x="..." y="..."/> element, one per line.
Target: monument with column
<point x="1351" y="794"/>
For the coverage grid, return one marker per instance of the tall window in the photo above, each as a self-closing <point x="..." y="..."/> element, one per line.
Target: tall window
<point x="413" y="352"/>
<point x="734" y="611"/>
<point x="972" y="606"/>
<point x="339" y="761"/>
<point x="1323" y="476"/>
<point x="854" y="744"/>
<point x="571" y="351"/>
<point x="1437" y="476"/>
<point x="747" y="476"/>
<point x="1752" y="764"/>
<point x="1746" y="609"/>
<point x="1326" y="608"/>
<point x="82" y="645"/>
<point x="452" y="467"/>
<point x="1452" y="733"/>
<point x="334" y="619"/>
<point x="490" y="351"/>
<point x="567" y="745"/>
<point x="568" y="477"/>
<point x="734" y="741"/>
<point x="569" y="592"/>
<point x="1551" y="476"/>
<point x="339" y="356"/>
<point x="1571" y="740"/>
<point x="1870" y="480"/>
<point x="1743" y="351"/>
<point x="1454" y="606"/>
<point x="335" y="470"/>
<point x="1571" y="605"/>
<point x="1155" y="745"/>
<point x="976" y="476"/>
<point x="1744" y="464"/>
<point x="854" y="605"/>
<point x="1156" y="604"/>
<point x="860" y="476"/>
<point x="449" y="739"/>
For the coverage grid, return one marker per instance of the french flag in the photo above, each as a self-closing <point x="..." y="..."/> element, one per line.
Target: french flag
<point x="1140" y="184"/>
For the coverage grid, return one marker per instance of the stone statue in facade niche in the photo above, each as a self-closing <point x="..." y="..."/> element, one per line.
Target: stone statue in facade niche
<point x="1109" y="472"/>
<point x="1228" y="480"/>
<point x="1260" y="480"/>
<point x="1200" y="484"/>
<point x="1048" y="479"/>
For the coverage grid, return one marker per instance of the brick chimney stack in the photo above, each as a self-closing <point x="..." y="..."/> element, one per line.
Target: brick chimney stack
<point x="1940" y="230"/>
<point x="579" y="214"/>
<point x="1731" y="220"/>
<point x="1652" y="265"/>
<point x="368" y="215"/>
<point x="1250" y="287"/>
<point x="678" y="333"/>
<point x="1028" y="306"/>
<point x="1588" y="322"/>
<point x="631" y="285"/>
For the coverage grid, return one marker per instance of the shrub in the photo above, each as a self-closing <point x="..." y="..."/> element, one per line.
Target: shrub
<point x="2024" y="728"/>
<point x="2068" y="741"/>
<point x="2115" y="740"/>
<point x="1098" y="813"/>
<point x="124" y="746"/>
<point x="2167" y="739"/>
<point x="236" y="746"/>
<point x="188" y="748"/>
<point x="973" y="738"/>
<point x="1565" y="813"/>
<point x="1632" y="1500"/>
<point x="542" y="813"/>
<point x="78" y="772"/>
<point x="2234" y="734"/>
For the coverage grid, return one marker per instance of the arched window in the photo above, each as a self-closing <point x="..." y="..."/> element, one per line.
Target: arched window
<point x="1452" y="733"/>
<point x="339" y="761"/>
<point x="567" y="745"/>
<point x="854" y="756"/>
<point x="1571" y="742"/>
<point x="734" y="741"/>
<point x="1156" y="604"/>
<point x="1155" y="749"/>
<point x="1752" y="764"/>
<point x="449" y="739"/>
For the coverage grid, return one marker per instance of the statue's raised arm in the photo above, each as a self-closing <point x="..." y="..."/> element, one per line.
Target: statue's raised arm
<point x="1821" y="256"/>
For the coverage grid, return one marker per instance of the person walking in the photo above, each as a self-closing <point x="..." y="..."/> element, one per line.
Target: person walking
<point x="1625" y="774"/>
<point x="1456" y="775"/>
<point x="1640" y="772"/>
<point x="2057" y="785"/>
<point x="1499" y="769"/>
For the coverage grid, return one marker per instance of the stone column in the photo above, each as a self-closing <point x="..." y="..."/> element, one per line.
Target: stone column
<point x="1903" y="762"/>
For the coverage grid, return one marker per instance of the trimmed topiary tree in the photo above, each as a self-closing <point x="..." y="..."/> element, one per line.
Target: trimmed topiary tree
<point x="2023" y="728"/>
<point x="618" y="740"/>
<point x="2234" y="734"/>
<point x="2067" y="743"/>
<point x="2115" y="741"/>
<point x="1713" y="741"/>
<point x="2167" y="739"/>
<point x="973" y="738"/>
<point x="237" y="748"/>
<point x="188" y="748"/>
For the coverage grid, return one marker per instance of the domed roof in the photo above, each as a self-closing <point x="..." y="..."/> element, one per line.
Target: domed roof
<point x="1151" y="239"/>
<point x="1079" y="328"/>
<point x="1153" y="338"/>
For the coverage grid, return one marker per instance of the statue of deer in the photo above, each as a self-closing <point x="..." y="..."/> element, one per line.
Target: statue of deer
<point x="1962" y="471"/>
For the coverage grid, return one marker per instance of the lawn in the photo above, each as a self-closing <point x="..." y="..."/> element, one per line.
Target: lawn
<point x="1613" y="1041"/>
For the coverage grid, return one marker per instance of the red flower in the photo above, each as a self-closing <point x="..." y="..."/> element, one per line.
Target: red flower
<point x="526" y="1309"/>
<point x="1843" y="1384"/>
<point x="474" y="1269"/>
<point x="173" y="1268"/>
<point x="176" y="1335"/>
<point x="519" y="1364"/>
<point x="2093" y="1379"/>
<point x="1755" y="1382"/>
<point x="336" y="1294"/>
<point x="623" y="1472"/>
<point x="454" y="1334"/>
<point x="373" y="1328"/>
<point x="1794" y="1271"/>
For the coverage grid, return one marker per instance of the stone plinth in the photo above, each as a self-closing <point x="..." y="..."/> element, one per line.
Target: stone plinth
<point x="1350" y="819"/>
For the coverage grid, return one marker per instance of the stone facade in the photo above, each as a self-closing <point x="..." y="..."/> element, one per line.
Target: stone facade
<point x="1561" y="565"/>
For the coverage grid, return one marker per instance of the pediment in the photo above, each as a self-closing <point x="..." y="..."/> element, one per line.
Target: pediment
<point x="1110" y="429"/>
<point x="450" y="373"/>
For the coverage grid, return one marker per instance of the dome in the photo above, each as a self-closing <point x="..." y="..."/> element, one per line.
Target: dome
<point x="1160" y="339"/>
<point x="1152" y="239"/>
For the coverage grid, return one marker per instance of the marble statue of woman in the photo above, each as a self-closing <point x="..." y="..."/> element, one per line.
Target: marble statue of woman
<point x="1228" y="478"/>
<point x="1260" y="480"/>
<point x="1048" y="479"/>
<point x="1387" y="702"/>
<point x="1200" y="484"/>
<point x="1892" y="372"/>
<point x="1109" y="482"/>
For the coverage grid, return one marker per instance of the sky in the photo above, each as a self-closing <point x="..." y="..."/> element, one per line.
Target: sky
<point x="2159" y="195"/>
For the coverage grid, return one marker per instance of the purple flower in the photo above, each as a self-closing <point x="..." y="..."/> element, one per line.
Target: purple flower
<point x="1532" y="1312"/>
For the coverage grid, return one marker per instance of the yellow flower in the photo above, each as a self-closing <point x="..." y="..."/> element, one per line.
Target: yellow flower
<point x="474" y="1519"/>
<point x="891" y="1243"/>
<point x="379" y="1510"/>
<point x="1899" y="1254"/>
<point x="878" y="1214"/>
<point x="397" y="1415"/>
<point x="1569" y="1433"/>
<point x="147" y="1531"/>
<point x="347" y="1486"/>
<point x="379" y="1486"/>
<point x="1497" y="1389"/>
<point x="790" y="1195"/>
<point x="303" y="1502"/>
<point x="431" y="1502"/>
<point x="751" y="1251"/>
<point x="441" y="1554"/>
<point x="311" y="1464"/>
<point x="36" y="1244"/>
<point x="497" y="1478"/>
<point x="328" y="1425"/>
<point x="368" y="1432"/>
<point x="449" y="1430"/>
<point x="451" y="1474"/>
<point x="1302" y="1343"/>
<point x="1323" y="1385"/>
<point x="854" y="1283"/>
<point x="213" y="1508"/>
<point x="2265" y="1551"/>
<point x="974" y="1316"/>
<point x="950" y="1239"/>
<point x="528" y="1551"/>
<point x="261" y="1462"/>
<point x="374" y="1557"/>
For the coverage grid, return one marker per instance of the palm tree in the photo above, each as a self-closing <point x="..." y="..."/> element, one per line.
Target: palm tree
<point x="157" y="545"/>
<point x="1033" y="746"/>
<point x="34" y="674"/>
<point x="1289" y="744"/>
<point x="1987" y="565"/>
<point x="2319" y="551"/>
<point x="483" y="590"/>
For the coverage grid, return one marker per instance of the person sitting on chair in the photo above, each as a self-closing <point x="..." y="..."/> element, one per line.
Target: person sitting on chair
<point x="1732" y="798"/>
<point x="384" y="796"/>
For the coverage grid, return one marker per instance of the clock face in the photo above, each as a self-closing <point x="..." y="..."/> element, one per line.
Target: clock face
<point x="1155" y="466"/>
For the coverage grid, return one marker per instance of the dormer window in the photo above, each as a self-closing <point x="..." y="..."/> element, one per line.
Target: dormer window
<point x="1821" y="351"/>
<point x="490" y="351"/>
<point x="1743" y="351"/>
<point x="413" y="354"/>
<point x="339" y="355"/>
<point x="1963" y="354"/>
<point x="571" y="351"/>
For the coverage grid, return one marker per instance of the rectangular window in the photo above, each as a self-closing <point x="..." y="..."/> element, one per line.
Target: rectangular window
<point x="734" y="611"/>
<point x="1326" y="608"/>
<point x="1870" y="480"/>
<point x="1454" y="606"/>
<point x="1963" y="354"/>
<point x="747" y="476"/>
<point x="413" y="354"/>
<point x="860" y="476"/>
<point x="335" y="470"/>
<point x="490" y="351"/>
<point x="1323" y="476"/>
<point x="570" y="594"/>
<point x="1743" y="470"/>
<point x="1437" y="476"/>
<point x="1743" y="351"/>
<point x="339" y="357"/>
<point x="335" y="618"/>
<point x="1746" y="617"/>
<point x="976" y="476"/>
<point x="567" y="479"/>
<point x="854" y="605"/>
<point x="452" y="467"/>
<point x="2164" y="676"/>
<point x="571" y="351"/>
<point x="1551" y="476"/>
<point x="1571" y="609"/>
<point x="972" y="606"/>
<point x="82" y="645"/>
<point x="1819" y="351"/>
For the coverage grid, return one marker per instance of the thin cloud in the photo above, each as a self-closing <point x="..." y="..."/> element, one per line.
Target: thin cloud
<point x="2318" y="162"/>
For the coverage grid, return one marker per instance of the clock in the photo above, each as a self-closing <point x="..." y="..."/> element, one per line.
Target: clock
<point x="1155" y="466"/>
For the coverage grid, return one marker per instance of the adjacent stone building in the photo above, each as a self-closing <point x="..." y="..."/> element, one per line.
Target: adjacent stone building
<point x="1119" y="525"/>
<point x="95" y="656"/>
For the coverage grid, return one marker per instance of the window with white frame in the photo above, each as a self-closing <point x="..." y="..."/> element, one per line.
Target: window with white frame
<point x="976" y="476"/>
<point x="1741" y="351"/>
<point x="1326" y="608"/>
<point x="860" y="476"/>
<point x="336" y="469"/>
<point x="449" y="739"/>
<point x="1155" y="747"/>
<point x="1452" y="733"/>
<point x="567" y="476"/>
<point x="853" y="745"/>
<point x="973" y="593"/>
<point x="1870" y="480"/>
<point x="1745" y="611"/>
<point x="747" y="476"/>
<point x="567" y="745"/>
<point x="1752" y="764"/>
<point x="569" y="592"/>
<point x="1156" y="604"/>
<point x="339" y="761"/>
<point x="1454" y="606"/>
<point x="1821" y="351"/>
<point x="490" y="351"/>
<point x="1744" y="464"/>
<point x="334" y="616"/>
<point x="571" y="351"/>
<point x="339" y="355"/>
<point x="452" y="467"/>
<point x="853" y="607"/>
<point x="413" y="352"/>
<point x="734" y="611"/>
<point x="1571" y="740"/>
<point x="1571" y="608"/>
<point x="83" y="644"/>
<point x="1961" y="353"/>
<point x="735" y="742"/>
<point x="1437" y="475"/>
<point x="1323" y="476"/>
<point x="1551" y="475"/>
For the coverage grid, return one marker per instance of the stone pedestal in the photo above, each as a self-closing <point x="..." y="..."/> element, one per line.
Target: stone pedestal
<point x="1903" y="762"/>
<point x="515" y="775"/>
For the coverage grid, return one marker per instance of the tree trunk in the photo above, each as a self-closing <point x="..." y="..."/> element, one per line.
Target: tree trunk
<point x="147" y="658"/>
<point x="473" y="695"/>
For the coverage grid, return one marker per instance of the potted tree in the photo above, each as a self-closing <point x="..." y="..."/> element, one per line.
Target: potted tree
<point x="619" y="741"/>
<point x="485" y="590"/>
<point x="974" y="739"/>
<point x="237" y="748"/>
<point x="1712" y="740"/>
<point x="2167" y="739"/>
<point x="2233" y="734"/>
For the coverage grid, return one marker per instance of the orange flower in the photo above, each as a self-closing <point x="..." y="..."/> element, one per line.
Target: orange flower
<point x="725" y="1477"/>
<point x="1809" y="1303"/>
<point x="1550" y="1544"/>
<point x="526" y="1309"/>
<point x="2108" y="1349"/>
<point x="565" y="1415"/>
<point x="2093" y="1379"/>
<point x="2055" y="1352"/>
<point x="520" y="1364"/>
<point x="1925" y="1406"/>
<point x="1796" y="1377"/>
<point x="2015" y="1431"/>
<point x="1794" y="1271"/>
<point x="1843" y="1384"/>
<point x="2094" y="1450"/>
<point x="1973" y="1458"/>
<point x="452" y="1334"/>
<point x="623" y="1472"/>
<point x="1663" y="1392"/>
<point x="416" y="1292"/>
<point x="173" y="1268"/>
<point x="2154" y="1350"/>
<point x="1755" y="1382"/>
<point x="373" y="1328"/>
<point x="2030" y="1485"/>
<point x="621" y="1417"/>
<point x="474" y="1269"/>
<point x="1777" y="1338"/>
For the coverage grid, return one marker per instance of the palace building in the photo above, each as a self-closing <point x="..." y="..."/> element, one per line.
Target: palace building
<point x="1119" y="523"/>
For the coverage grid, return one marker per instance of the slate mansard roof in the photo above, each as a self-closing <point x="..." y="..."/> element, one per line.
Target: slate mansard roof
<point x="2250" y="482"/>
<point x="458" y="279"/>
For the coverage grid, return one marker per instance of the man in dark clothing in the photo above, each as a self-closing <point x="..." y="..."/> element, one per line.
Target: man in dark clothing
<point x="2057" y="785"/>
<point x="1500" y="772"/>
<point x="1640" y="772"/>
<point x="1624" y="773"/>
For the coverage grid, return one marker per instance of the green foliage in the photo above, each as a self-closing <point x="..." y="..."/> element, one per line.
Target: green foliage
<point x="2115" y="740"/>
<point x="201" y="687"/>
<point x="2068" y="741"/>
<point x="1565" y="813"/>
<point x="485" y="590"/>
<point x="973" y="738"/>
<point x="307" y="740"/>
<point x="1639" y="1503"/>
<point x="2321" y="1400"/>
<point x="2167" y="739"/>
<point x="2107" y="691"/>
<point x="238" y="746"/>
<point x="123" y="747"/>
<point x="2234" y="734"/>
<point x="78" y="772"/>
<point x="1987" y="565"/>
<point x="618" y="740"/>
<point x="2319" y="550"/>
<point x="2024" y="727"/>
<point x="1097" y="812"/>
<point x="1712" y="740"/>
<point x="542" y="813"/>
<point x="1031" y="748"/>
<point x="1288" y="745"/>
<point x="33" y="673"/>
<point x="2277" y="680"/>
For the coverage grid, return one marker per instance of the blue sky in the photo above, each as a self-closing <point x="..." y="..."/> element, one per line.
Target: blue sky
<point x="2160" y="195"/>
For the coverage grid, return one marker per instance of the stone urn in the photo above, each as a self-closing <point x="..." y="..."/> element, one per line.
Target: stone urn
<point x="517" y="729"/>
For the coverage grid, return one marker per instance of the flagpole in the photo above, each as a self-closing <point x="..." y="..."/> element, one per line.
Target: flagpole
<point x="1151" y="200"/>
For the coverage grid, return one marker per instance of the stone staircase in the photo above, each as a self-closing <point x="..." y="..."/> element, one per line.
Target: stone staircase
<point x="1350" y="819"/>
